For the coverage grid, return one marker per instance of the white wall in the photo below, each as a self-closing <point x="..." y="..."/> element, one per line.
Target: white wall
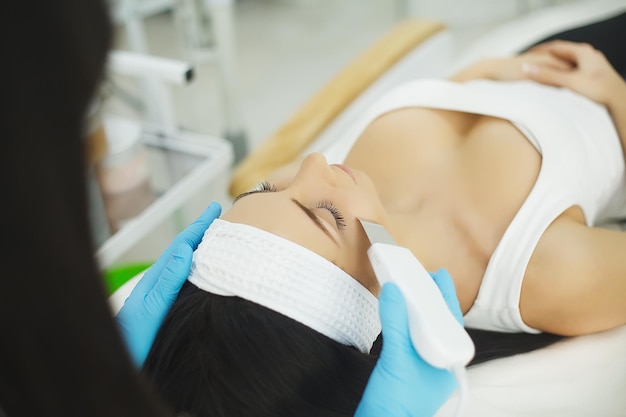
<point x="463" y="13"/>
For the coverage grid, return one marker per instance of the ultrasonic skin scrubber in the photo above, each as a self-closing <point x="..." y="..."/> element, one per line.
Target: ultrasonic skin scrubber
<point x="436" y="334"/>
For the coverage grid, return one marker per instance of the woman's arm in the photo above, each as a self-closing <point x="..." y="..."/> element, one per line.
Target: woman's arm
<point x="590" y="74"/>
<point x="618" y="112"/>
<point x="573" y="65"/>
<point x="576" y="281"/>
<point x="510" y="69"/>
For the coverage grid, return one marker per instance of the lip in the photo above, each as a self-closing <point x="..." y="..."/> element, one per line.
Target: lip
<point x="346" y="170"/>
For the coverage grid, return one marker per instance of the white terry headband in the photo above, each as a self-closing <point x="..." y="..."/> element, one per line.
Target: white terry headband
<point x="239" y="260"/>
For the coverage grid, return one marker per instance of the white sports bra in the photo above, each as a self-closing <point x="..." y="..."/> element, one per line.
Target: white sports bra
<point x="582" y="164"/>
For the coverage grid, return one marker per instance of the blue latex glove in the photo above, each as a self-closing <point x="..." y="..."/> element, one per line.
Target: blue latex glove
<point x="145" y="308"/>
<point x="402" y="383"/>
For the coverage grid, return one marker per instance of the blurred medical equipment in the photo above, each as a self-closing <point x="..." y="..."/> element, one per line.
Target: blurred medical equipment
<point x="578" y="376"/>
<point x="144" y="170"/>
<point x="205" y="30"/>
<point x="149" y="171"/>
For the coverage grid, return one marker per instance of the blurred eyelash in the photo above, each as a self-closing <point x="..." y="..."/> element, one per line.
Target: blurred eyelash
<point x="264" y="186"/>
<point x="339" y="219"/>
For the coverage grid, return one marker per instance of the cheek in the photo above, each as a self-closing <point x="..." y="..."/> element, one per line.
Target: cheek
<point x="366" y="203"/>
<point x="368" y="207"/>
<point x="355" y="261"/>
<point x="362" y="271"/>
<point x="365" y="207"/>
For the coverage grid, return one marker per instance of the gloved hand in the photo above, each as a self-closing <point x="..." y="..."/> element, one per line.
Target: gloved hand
<point x="145" y="308"/>
<point x="402" y="383"/>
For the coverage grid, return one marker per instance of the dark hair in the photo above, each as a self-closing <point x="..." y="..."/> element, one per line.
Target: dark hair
<point x="61" y="353"/>
<point x="492" y="345"/>
<point x="226" y="356"/>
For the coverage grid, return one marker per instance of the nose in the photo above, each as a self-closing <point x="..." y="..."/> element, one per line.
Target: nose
<point x="314" y="167"/>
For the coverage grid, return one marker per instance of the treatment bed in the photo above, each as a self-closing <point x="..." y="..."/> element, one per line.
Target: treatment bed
<point x="576" y="377"/>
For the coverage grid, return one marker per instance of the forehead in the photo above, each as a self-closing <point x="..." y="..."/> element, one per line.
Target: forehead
<point x="265" y="210"/>
<point x="276" y="213"/>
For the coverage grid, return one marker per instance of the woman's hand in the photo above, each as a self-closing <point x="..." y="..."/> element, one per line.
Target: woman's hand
<point x="145" y="308"/>
<point x="590" y="73"/>
<point x="511" y="68"/>
<point x="402" y="383"/>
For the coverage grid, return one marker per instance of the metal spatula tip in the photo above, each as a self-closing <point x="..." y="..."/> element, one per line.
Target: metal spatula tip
<point x="376" y="233"/>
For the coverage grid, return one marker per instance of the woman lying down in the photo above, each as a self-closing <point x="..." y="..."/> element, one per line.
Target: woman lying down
<point x="499" y="174"/>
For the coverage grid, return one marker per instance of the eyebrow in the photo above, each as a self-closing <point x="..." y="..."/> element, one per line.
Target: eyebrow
<point x="304" y="208"/>
<point x="315" y="219"/>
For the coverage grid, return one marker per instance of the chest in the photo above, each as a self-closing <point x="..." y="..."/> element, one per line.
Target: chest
<point x="451" y="183"/>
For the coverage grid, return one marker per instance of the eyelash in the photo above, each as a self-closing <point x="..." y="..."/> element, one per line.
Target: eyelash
<point x="325" y="204"/>
<point x="266" y="187"/>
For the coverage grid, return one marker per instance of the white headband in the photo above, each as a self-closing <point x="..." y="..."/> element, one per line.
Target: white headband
<point x="239" y="260"/>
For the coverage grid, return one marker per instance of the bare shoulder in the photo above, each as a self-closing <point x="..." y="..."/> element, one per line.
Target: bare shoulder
<point x="575" y="282"/>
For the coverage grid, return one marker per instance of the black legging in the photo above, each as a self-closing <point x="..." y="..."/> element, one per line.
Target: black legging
<point x="608" y="36"/>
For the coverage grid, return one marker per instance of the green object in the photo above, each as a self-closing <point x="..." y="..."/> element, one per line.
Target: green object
<point x="117" y="276"/>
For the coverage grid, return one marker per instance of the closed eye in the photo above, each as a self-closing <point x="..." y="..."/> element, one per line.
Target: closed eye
<point x="328" y="205"/>
<point x="267" y="187"/>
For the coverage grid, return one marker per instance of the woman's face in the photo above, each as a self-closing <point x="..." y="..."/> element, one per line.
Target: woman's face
<point x="317" y="208"/>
